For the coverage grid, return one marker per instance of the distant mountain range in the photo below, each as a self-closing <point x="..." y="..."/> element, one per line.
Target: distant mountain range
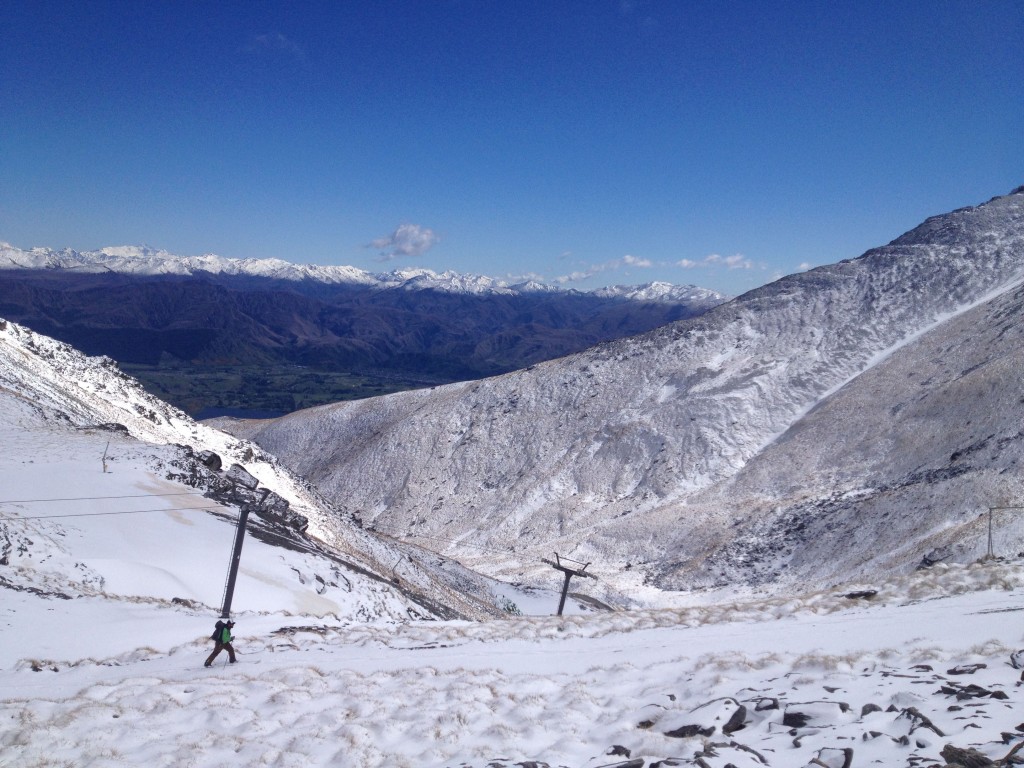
<point x="150" y="308"/>
<point x="848" y="422"/>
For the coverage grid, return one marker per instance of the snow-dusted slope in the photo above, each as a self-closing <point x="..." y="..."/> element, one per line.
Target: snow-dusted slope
<point x="573" y="454"/>
<point x="66" y="419"/>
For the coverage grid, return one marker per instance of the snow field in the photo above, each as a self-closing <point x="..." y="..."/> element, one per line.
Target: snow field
<point x="565" y="691"/>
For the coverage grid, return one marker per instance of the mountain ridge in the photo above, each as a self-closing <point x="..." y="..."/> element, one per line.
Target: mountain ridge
<point x="267" y="332"/>
<point x="638" y="428"/>
<point x="143" y="260"/>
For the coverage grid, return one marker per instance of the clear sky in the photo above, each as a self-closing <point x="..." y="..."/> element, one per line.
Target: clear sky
<point x="590" y="142"/>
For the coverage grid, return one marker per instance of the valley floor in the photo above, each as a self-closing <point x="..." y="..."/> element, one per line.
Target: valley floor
<point x="114" y="683"/>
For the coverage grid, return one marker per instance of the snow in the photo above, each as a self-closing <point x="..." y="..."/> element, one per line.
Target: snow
<point x="100" y="665"/>
<point x="106" y="682"/>
<point x="143" y="260"/>
<point x="112" y="569"/>
<point x="686" y="452"/>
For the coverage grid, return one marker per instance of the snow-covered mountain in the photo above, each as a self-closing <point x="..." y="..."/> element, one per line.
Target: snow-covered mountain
<point x="114" y="538"/>
<point x="871" y="403"/>
<point x="86" y="439"/>
<point x="148" y="262"/>
<point x="182" y="321"/>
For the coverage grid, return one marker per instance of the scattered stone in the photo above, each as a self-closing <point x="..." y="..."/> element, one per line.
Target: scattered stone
<point x="765" y="704"/>
<point x="867" y="709"/>
<point x="863" y="594"/>
<point x="918" y="720"/>
<point x="972" y="691"/>
<point x="831" y="757"/>
<point x="617" y="750"/>
<point x="737" y="722"/>
<point x="688" y="731"/>
<point x="933" y="557"/>
<point x="1017" y="659"/>
<point x="210" y="460"/>
<point x="239" y="476"/>
<point x="816" y="713"/>
<point x="968" y="758"/>
<point x="965" y="669"/>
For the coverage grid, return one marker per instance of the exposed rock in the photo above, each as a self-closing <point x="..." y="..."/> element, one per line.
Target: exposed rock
<point x="211" y="460"/>
<point x="968" y="758"/>
<point x="918" y="720"/>
<point x="688" y="731"/>
<point x="737" y="722"/>
<point x="832" y="757"/>
<point x="239" y="476"/>
<point x="276" y="510"/>
<point x="863" y="594"/>
<point x="935" y="556"/>
<point x="972" y="691"/>
<point x="965" y="669"/>
<point x="816" y="713"/>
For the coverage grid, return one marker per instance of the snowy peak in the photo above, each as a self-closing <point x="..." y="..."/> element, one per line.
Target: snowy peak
<point x="662" y="292"/>
<point x="141" y="260"/>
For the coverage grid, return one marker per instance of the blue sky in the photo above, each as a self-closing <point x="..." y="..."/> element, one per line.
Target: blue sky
<point x="721" y="143"/>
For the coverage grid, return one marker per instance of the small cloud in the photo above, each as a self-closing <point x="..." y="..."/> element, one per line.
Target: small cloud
<point x="736" y="261"/>
<point x="525" y="277"/>
<point x="805" y="266"/>
<point x="276" y="43"/>
<point x="595" y="269"/>
<point x="407" y="240"/>
<point x="633" y="261"/>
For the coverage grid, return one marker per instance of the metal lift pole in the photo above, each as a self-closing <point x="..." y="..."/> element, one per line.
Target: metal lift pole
<point x="569" y="572"/>
<point x="236" y="554"/>
<point x="236" y="557"/>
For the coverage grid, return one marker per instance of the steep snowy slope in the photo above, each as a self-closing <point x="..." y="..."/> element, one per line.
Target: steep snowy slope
<point x="900" y="465"/>
<point x="631" y="431"/>
<point x="81" y="438"/>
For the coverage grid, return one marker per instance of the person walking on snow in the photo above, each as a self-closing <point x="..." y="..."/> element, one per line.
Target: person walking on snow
<point x="223" y="638"/>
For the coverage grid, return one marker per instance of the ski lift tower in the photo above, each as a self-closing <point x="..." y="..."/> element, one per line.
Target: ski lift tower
<point x="991" y="554"/>
<point x="236" y="552"/>
<point x="561" y="564"/>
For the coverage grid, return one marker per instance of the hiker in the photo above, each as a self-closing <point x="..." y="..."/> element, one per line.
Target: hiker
<point x="223" y="638"/>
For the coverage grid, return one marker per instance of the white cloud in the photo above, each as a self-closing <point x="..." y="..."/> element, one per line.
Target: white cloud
<point x="276" y="43"/>
<point x="633" y="261"/>
<point x="406" y="240"/>
<point x="805" y="266"/>
<point x="594" y="269"/>
<point x="736" y="261"/>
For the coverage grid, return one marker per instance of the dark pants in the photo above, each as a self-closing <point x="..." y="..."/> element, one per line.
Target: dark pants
<point x="217" y="649"/>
